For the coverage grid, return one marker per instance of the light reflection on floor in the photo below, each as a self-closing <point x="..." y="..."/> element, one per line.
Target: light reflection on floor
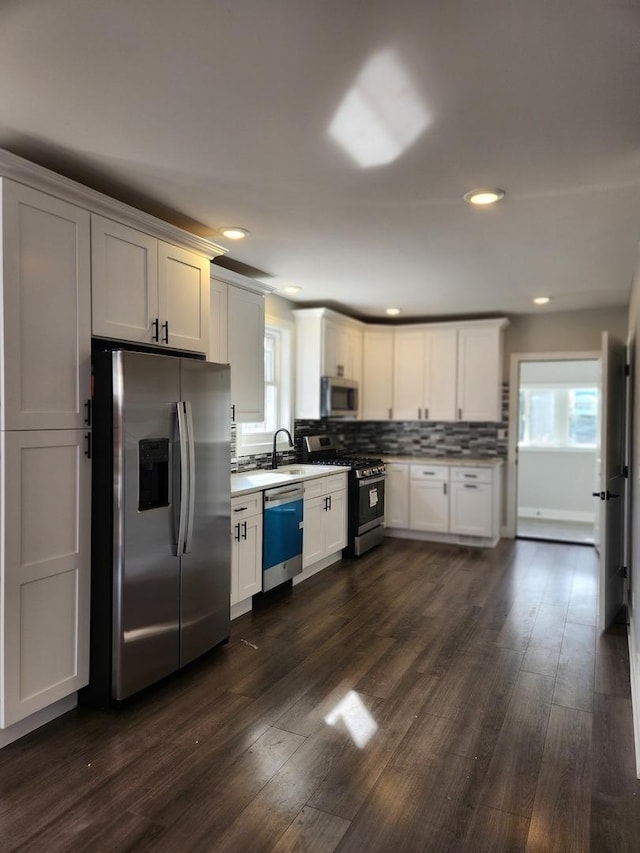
<point x="351" y="712"/>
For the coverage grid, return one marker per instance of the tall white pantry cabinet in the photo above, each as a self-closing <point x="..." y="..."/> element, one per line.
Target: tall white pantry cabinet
<point x="45" y="470"/>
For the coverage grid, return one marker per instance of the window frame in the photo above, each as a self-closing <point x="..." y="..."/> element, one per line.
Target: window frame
<point x="258" y="443"/>
<point x="561" y="415"/>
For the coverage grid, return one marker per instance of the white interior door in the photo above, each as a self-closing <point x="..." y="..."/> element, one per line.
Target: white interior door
<point x="613" y="482"/>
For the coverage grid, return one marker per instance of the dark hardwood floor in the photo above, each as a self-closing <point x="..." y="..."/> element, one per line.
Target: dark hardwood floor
<point x="421" y="698"/>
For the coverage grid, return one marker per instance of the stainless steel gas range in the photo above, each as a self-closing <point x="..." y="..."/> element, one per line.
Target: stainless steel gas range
<point x="366" y="479"/>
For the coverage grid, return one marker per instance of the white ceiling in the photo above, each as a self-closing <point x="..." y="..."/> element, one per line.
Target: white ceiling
<point x="217" y="112"/>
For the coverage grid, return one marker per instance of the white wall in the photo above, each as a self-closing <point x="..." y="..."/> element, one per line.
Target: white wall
<point x="557" y="483"/>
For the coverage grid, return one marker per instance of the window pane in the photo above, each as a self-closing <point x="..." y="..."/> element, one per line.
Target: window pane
<point x="583" y="416"/>
<point x="541" y="417"/>
<point x="269" y="358"/>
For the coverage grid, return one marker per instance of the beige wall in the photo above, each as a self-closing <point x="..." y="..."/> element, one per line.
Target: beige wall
<point x="276" y="306"/>
<point x="563" y="331"/>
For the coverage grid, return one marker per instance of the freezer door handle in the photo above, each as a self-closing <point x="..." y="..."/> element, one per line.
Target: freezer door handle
<point x="191" y="452"/>
<point x="184" y="478"/>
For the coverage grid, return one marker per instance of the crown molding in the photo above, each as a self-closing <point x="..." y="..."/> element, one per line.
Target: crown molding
<point x="25" y="172"/>
<point x="237" y="280"/>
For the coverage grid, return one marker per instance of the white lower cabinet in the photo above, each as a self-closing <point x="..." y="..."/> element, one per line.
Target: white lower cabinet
<point x="325" y="518"/>
<point x="396" y="490"/>
<point x="471" y="504"/>
<point x="428" y="498"/>
<point x="45" y="569"/>
<point x="246" y="546"/>
<point x="447" y="503"/>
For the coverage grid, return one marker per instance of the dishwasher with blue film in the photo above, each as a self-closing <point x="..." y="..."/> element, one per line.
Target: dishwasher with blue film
<point x="282" y="536"/>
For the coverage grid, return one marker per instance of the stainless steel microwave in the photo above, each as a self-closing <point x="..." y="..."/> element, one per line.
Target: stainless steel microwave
<point x="338" y="398"/>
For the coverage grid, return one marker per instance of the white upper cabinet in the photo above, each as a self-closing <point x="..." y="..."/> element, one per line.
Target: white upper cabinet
<point x="441" y="347"/>
<point x="183" y="298"/>
<point x="480" y="373"/>
<point x="46" y="297"/>
<point x="376" y="398"/>
<point x="441" y="372"/>
<point x="146" y="290"/>
<point x="342" y="348"/>
<point x="408" y="375"/>
<point x="218" y="322"/>
<point x="327" y="344"/>
<point x="246" y="354"/>
<point x="125" y="281"/>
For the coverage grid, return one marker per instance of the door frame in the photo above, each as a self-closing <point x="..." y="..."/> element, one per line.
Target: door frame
<point x="517" y="358"/>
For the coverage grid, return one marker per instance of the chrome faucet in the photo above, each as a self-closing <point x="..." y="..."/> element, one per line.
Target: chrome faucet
<point x="274" y="455"/>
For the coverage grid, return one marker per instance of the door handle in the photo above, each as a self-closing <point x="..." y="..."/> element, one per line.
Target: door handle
<point x="87" y="417"/>
<point x="165" y="337"/>
<point x="236" y="535"/>
<point x="156" y="330"/>
<point x="184" y="479"/>
<point x="244" y="529"/>
<point x="605" y="496"/>
<point x="87" y="451"/>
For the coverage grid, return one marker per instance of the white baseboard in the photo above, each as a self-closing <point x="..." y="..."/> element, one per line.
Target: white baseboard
<point x="40" y="718"/>
<point x="634" y="669"/>
<point x="447" y="538"/>
<point x="310" y="571"/>
<point x="546" y="514"/>
<point x="241" y="607"/>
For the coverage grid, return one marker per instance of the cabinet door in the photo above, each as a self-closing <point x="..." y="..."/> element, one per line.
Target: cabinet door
<point x="440" y="368"/>
<point x="45" y="569"/>
<point x="396" y="509"/>
<point x="408" y="375"/>
<point x="331" y="348"/>
<point x="313" y="531"/>
<point x="183" y="298"/>
<point x="377" y="380"/>
<point x="124" y="276"/>
<point x="246" y="561"/>
<point x="46" y="323"/>
<point x="246" y="354"/>
<point x="479" y="374"/>
<point x="218" y="321"/>
<point x="429" y="506"/>
<point x="471" y="509"/>
<point x="335" y="523"/>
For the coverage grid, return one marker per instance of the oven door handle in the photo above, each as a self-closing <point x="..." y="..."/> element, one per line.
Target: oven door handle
<point x="370" y="481"/>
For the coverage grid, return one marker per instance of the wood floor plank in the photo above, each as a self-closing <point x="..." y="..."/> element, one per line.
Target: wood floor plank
<point x="312" y="831"/>
<point x="395" y="702"/>
<point x="575" y="677"/>
<point x="615" y="809"/>
<point x="512" y="777"/>
<point x="494" y="831"/>
<point x="562" y="807"/>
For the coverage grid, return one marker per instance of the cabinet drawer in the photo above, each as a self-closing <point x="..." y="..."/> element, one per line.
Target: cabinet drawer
<point x="335" y="482"/>
<point x="323" y="485"/>
<point x="245" y="506"/>
<point x="471" y="475"/>
<point x="439" y="473"/>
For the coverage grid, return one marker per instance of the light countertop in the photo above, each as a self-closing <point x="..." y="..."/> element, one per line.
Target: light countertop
<point x="245" y="482"/>
<point x="464" y="461"/>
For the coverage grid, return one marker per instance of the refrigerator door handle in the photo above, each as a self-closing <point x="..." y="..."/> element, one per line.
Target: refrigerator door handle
<point x="192" y="478"/>
<point x="184" y="478"/>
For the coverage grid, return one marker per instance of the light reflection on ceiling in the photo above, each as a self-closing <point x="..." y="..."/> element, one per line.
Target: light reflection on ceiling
<point x="351" y="712"/>
<point x="381" y="115"/>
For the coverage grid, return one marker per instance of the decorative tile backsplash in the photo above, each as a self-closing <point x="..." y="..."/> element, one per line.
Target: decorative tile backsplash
<point x="396" y="438"/>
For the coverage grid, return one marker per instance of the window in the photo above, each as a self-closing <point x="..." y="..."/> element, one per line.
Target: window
<point x="559" y="416"/>
<point x="256" y="438"/>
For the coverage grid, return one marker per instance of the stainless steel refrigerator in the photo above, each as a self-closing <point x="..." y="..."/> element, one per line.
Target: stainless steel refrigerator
<point x="161" y="551"/>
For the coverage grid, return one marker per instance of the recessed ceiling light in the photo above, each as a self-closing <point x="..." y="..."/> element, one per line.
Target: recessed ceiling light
<point x="392" y="311"/>
<point x="292" y="289"/>
<point x="484" y="195"/>
<point x="542" y="300"/>
<point x="233" y="232"/>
